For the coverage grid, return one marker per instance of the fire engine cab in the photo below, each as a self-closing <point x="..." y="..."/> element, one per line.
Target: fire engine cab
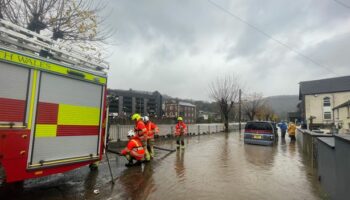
<point x="52" y="106"/>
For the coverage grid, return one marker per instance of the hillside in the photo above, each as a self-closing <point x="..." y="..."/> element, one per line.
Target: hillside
<point x="283" y="104"/>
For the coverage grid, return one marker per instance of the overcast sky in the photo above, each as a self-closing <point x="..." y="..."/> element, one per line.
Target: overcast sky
<point x="179" y="46"/>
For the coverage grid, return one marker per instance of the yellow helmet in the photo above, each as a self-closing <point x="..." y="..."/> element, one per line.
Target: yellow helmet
<point x="135" y="116"/>
<point x="179" y="119"/>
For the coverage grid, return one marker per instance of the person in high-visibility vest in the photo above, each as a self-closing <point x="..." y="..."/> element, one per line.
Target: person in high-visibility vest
<point x="152" y="129"/>
<point x="141" y="132"/>
<point x="180" y="131"/>
<point x="133" y="150"/>
<point x="291" y="131"/>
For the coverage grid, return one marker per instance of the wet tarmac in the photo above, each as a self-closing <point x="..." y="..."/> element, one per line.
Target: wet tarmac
<point x="217" y="166"/>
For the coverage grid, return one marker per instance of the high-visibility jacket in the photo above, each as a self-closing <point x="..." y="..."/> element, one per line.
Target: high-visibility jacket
<point x="180" y="128"/>
<point x="141" y="129"/>
<point x="151" y="129"/>
<point x="291" y="129"/>
<point x="134" y="147"/>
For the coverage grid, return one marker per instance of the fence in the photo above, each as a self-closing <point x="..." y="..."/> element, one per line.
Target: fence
<point x="308" y="141"/>
<point x="119" y="132"/>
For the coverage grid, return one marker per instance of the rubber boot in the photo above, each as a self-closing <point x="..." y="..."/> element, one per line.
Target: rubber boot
<point x="147" y="155"/>
<point x="129" y="164"/>
<point x="182" y="144"/>
<point x="138" y="163"/>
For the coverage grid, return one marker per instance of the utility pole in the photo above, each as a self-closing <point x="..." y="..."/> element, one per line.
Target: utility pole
<point x="239" y="110"/>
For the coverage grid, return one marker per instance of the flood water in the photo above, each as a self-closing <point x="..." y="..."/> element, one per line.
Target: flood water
<point x="217" y="166"/>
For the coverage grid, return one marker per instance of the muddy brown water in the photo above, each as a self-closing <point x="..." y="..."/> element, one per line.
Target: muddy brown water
<point x="217" y="166"/>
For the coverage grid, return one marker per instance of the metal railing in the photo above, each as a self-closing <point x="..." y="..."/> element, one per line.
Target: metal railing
<point x="119" y="132"/>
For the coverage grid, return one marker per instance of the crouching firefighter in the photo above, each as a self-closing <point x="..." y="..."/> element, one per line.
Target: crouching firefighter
<point x="134" y="150"/>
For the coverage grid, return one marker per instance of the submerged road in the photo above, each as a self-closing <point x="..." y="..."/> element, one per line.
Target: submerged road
<point x="217" y="166"/>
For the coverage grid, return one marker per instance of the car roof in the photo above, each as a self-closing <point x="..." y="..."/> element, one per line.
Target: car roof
<point x="259" y="122"/>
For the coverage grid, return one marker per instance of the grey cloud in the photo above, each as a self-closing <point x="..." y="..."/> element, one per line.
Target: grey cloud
<point x="334" y="52"/>
<point x="177" y="47"/>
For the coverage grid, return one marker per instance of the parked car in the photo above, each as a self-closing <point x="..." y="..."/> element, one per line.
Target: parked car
<point x="259" y="132"/>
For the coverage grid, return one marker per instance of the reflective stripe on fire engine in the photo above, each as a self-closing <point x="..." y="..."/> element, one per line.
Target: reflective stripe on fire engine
<point x="45" y="130"/>
<point x="43" y="65"/>
<point x="78" y="115"/>
<point x="32" y="97"/>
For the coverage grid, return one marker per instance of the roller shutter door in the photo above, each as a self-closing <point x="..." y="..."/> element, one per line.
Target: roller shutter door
<point x="68" y="119"/>
<point x="13" y="94"/>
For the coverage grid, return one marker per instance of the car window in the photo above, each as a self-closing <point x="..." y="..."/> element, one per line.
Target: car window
<point x="258" y="126"/>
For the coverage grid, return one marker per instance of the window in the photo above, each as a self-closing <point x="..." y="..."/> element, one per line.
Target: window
<point x="337" y="110"/>
<point x="327" y="115"/>
<point x="326" y="101"/>
<point x="258" y="126"/>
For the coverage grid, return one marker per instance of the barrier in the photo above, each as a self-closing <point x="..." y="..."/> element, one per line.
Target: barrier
<point x="119" y="132"/>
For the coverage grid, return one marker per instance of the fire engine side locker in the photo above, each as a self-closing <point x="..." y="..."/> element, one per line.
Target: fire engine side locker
<point x="42" y="143"/>
<point x="67" y="120"/>
<point x="14" y="137"/>
<point x="13" y="109"/>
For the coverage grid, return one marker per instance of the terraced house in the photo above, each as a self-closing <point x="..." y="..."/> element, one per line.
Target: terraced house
<point x="324" y="102"/>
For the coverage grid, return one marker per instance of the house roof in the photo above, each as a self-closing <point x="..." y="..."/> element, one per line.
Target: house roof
<point x="186" y="104"/>
<point x="330" y="85"/>
<point x="345" y="104"/>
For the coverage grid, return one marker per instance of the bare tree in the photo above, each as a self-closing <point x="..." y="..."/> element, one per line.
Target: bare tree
<point x="10" y="10"/>
<point x="73" y="21"/>
<point x="225" y="90"/>
<point x="253" y="104"/>
<point x="266" y="113"/>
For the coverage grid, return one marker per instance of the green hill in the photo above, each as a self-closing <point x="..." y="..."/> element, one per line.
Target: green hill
<point x="283" y="104"/>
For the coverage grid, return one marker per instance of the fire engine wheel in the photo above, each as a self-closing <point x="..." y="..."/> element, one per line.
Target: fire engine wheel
<point x="2" y="176"/>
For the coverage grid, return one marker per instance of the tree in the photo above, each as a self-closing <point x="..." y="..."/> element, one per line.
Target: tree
<point x="70" y="21"/>
<point x="265" y="113"/>
<point x="252" y="105"/>
<point x="224" y="91"/>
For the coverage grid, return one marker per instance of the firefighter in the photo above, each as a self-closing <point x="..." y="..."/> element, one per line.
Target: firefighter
<point x="134" y="150"/>
<point x="291" y="131"/>
<point x="152" y="129"/>
<point x="180" y="131"/>
<point x="141" y="132"/>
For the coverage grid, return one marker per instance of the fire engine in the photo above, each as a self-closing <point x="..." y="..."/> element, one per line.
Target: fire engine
<point x="52" y="106"/>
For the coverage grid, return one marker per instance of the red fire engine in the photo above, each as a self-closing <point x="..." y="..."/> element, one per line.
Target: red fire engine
<point x="52" y="106"/>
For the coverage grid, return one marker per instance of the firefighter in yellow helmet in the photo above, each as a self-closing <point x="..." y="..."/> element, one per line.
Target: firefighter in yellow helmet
<point x="141" y="131"/>
<point x="180" y="131"/>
